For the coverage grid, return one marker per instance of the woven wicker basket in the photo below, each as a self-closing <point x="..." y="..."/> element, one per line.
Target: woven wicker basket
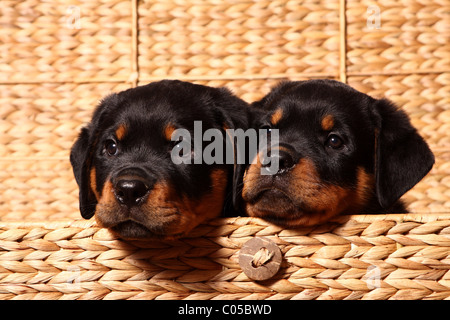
<point x="58" y="59"/>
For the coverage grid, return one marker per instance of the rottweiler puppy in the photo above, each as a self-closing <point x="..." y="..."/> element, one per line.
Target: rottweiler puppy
<point x="339" y="151"/>
<point x="123" y="159"/>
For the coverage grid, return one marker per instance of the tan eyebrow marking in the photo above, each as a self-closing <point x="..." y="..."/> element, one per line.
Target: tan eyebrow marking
<point x="327" y="122"/>
<point x="121" y="131"/>
<point x="168" y="131"/>
<point x="276" y="116"/>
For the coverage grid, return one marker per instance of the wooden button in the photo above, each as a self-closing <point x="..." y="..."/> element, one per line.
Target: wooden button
<point x="260" y="258"/>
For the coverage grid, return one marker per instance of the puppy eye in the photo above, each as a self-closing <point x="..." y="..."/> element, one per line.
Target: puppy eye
<point x="334" y="141"/>
<point x="111" y="147"/>
<point x="181" y="145"/>
<point x="266" y="127"/>
<point x="176" y="143"/>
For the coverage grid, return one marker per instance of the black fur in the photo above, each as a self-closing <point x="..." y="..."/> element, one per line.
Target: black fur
<point x="145" y="111"/>
<point x="377" y="136"/>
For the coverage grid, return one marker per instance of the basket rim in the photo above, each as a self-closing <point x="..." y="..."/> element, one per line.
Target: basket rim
<point x="363" y="218"/>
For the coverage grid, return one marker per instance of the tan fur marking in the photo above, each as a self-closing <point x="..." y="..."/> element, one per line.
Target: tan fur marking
<point x="327" y="122"/>
<point x="106" y="206"/>
<point x="121" y="131"/>
<point x="364" y="188"/>
<point x="191" y="213"/>
<point x="276" y="116"/>
<point x="318" y="196"/>
<point x="93" y="182"/>
<point x="168" y="131"/>
<point x="320" y="200"/>
<point x="211" y="204"/>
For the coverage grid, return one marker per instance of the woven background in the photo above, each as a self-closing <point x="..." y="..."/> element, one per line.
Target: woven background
<point x="58" y="58"/>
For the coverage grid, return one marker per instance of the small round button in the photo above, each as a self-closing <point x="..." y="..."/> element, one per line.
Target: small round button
<point x="260" y="258"/>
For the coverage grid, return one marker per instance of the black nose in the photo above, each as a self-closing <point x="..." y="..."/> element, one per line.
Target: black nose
<point x="130" y="192"/>
<point x="278" y="162"/>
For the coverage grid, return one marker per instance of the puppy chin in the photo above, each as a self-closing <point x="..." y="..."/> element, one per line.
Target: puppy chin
<point x="164" y="228"/>
<point x="275" y="206"/>
<point x="131" y="230"/>
<point x="273" y="200"/>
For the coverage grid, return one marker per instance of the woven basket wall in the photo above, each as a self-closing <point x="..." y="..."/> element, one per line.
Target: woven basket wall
<point x="58" y="58"/>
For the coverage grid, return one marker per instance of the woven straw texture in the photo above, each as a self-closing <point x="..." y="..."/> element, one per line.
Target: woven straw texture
<point x="391" y="257"/>
<point x="59" y="58"/>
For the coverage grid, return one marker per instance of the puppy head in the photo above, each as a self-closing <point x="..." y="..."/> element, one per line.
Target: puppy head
<point x="123" y="160"/>
<point x="339" y="151"/>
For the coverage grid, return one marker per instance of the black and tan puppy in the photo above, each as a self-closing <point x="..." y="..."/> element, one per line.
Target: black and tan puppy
<point x="339" y="151"/>
<point x="123" y="164"/>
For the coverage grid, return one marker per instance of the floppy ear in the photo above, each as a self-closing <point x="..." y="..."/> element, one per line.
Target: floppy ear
<point x="82" y="152"/>
<point x="403" y="158"/>
<point x="254" y="116"/>
<point x="233" y="153"/>
<point x="80" y="159"/>
<point x="238" y="174"/>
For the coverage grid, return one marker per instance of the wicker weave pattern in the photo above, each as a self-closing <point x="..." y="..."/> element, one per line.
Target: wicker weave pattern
<point x="413" y="36"/>
<point x="219" y="39"/>
<point x="42" y="42"/>
<point x="37" y="190"/>
<point x="392" y="257"/>
<point x="42" y="121"/>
